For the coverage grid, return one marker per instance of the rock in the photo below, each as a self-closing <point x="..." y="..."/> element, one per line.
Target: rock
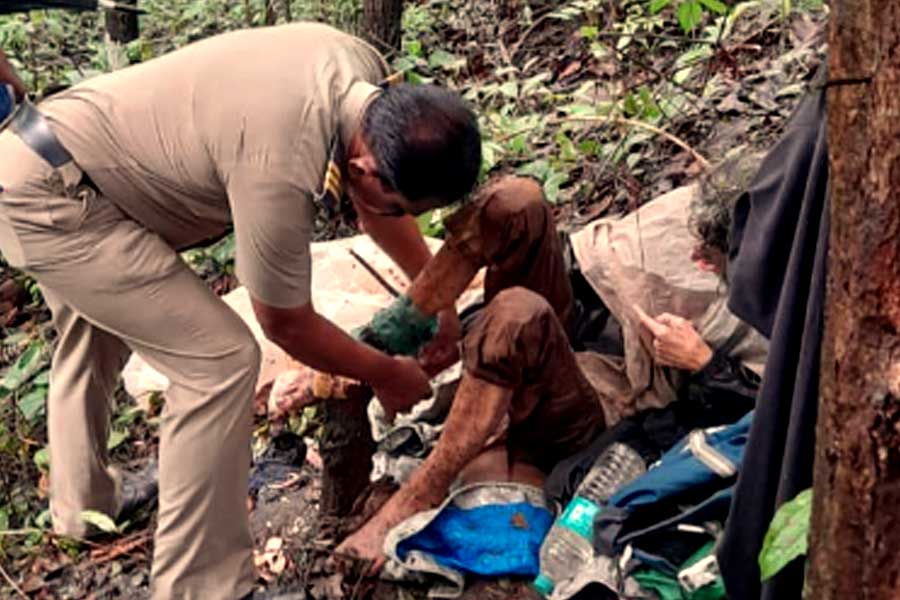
<point x="342" y="291"/>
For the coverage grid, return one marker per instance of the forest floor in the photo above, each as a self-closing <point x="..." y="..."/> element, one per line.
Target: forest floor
<point x="607" y="103"/>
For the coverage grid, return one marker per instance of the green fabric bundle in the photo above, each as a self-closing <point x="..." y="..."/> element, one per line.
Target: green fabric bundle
<point x="401" y="328"/>
<point x="667" y="587"/>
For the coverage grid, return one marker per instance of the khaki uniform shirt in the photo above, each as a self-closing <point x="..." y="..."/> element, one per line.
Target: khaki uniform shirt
<point x="233" y="129"/>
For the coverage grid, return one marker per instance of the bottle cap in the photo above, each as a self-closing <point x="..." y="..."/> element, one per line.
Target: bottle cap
<point x="543" y="584"/>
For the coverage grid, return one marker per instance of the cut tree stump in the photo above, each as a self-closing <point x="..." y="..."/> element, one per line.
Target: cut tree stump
<point x="346" y="448"/>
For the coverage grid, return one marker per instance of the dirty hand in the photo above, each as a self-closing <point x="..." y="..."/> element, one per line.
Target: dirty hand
<point x="443" y="350"/>
<point x="676" y="342"/>
<point x="402" y="386"/>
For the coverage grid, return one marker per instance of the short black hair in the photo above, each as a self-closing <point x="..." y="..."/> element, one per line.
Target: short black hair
<point x="425" y="141"/>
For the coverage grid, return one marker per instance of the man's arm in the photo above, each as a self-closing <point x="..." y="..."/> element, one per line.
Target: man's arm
<point x="401" y="239"/>
<point x="317" y="342"/>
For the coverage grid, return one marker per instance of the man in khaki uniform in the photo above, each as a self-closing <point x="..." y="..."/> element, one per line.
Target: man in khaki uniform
<point x="236" y="129"/>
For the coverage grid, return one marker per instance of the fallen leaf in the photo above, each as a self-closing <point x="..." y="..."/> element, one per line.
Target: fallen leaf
<point x="571" y="69"/>
<point x="314" y="458"/>
<point x="274" y="544"/>
<point x="519" y="521"/>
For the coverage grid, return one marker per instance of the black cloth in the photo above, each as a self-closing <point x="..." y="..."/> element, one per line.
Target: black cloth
<point x="777" y="266"/>
<point x="16" y="6"/>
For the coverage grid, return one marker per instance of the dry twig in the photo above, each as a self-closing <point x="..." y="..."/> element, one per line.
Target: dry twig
<point x="620" y="120"/>
<point x="368" y="267"/>
<point x="12" y="583"/>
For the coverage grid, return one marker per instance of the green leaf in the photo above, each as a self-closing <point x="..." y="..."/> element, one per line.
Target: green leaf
<point x="567" y="150"/>
<point x="414" y="47"/>
<point x="4" y="518"/>
<point x="431" y="223"/>
<point x="590" y="32"/>
<point x="510" y="89"/>
<point x="788" y="535"/>
<point x="116" y="437"/>
<point x="99" y="520"/>
<point x="43" y="519"/>
<point x="42" y="378"/>
<point x="491" y="152"/>
<point x="689" y="15"/>
<point x="631" y="106"/>
<point x="517" y="145"/>
<point x="29" y="363"/>
<point x="579" y="109"/>
<point x="32" y="404"/>
<point x="715" y="6"/>
<point x="41" y="459"/>
<point x="658" y="5"/>
<point x="223" y="251"/>
<point x="552" y="185"/>
<point x="441" y="59"/>
<point x="539" y="169"/>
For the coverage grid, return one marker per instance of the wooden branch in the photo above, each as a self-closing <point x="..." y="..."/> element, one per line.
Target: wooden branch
<point x="619" y="120"/>
<point x="12" y="583"/>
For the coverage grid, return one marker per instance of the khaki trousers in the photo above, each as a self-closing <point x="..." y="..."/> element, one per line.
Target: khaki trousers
<point x="115" y="287"/>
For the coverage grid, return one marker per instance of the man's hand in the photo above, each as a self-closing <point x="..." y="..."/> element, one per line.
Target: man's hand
<point x="8" y="75"/>
<point x="443" y="350"/>
<point x="676" y="342"/>
<point x="401" y="386"/>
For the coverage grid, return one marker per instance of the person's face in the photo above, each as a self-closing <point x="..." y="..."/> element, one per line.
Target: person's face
<point x="710" y="260"/>
<point x="371" y="194"/>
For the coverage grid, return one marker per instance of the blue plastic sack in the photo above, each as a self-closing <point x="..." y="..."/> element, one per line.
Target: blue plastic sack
<point x="679" y="470"/>
<point x="489" y="541"/>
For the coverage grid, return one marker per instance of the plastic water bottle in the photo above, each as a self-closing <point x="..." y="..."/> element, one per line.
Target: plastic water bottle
<point x="569" y="546"/>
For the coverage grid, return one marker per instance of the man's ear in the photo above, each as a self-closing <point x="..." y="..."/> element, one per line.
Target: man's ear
<point x="362" y="166"/>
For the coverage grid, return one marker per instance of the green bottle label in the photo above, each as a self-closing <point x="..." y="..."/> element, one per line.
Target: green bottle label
<point x="579" y="517"/>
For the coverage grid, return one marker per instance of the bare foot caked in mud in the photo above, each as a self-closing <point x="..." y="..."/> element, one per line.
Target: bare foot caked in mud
<point x="366" y="545"/>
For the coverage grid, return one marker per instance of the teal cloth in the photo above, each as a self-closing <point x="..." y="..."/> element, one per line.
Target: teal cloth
<point x="401" y="328"/>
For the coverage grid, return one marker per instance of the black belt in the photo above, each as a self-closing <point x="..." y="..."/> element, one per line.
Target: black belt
<point x="32" y="128"/>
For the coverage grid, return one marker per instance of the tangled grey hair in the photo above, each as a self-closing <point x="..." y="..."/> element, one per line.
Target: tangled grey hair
<point x="711" y="208"/>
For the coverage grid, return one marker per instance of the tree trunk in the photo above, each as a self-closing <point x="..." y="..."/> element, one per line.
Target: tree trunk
<point x="121" y="28"/>
<point x="382" y="23"/>
<point x="270" y="13"/>
<point x="346" y="448"/>
<point x="855" y="535"/>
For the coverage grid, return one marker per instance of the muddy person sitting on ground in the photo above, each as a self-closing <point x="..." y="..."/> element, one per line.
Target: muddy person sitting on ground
<point x="523" y="403"/>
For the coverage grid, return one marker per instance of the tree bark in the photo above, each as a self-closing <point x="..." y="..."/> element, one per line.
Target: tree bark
<point x="382" y="23"/>
<point x="271" y="15"/>
<point x="121" y="28"/>
<point x="855" y="534"/>
<point x="347" y="448"/>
